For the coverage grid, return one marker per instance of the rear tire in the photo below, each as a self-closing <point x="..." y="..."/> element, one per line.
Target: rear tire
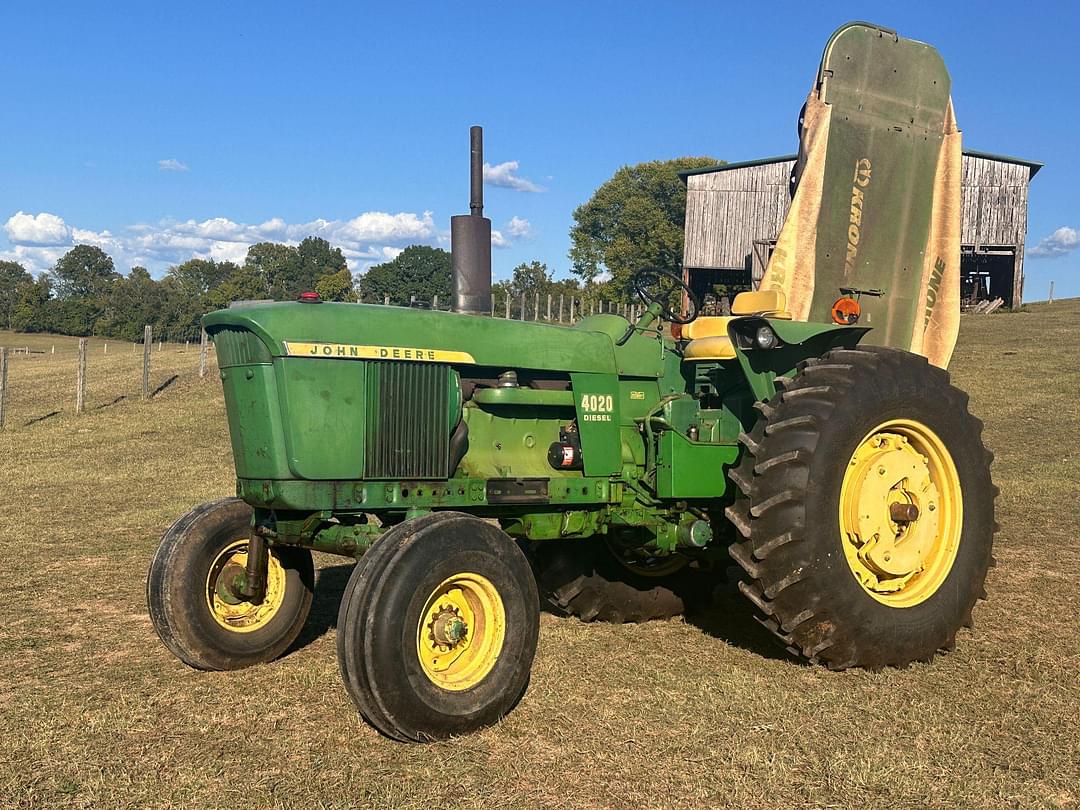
<point x="438" y="628"/>
<point x="816" y="472"/>
<point x="189" y="615"/>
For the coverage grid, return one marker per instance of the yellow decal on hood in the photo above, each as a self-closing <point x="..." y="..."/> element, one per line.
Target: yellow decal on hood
<point x="351" y="351"/>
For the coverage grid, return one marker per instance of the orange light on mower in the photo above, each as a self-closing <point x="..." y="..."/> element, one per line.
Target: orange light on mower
<point x="309" y="298"/>
<point x="846" y="311"/>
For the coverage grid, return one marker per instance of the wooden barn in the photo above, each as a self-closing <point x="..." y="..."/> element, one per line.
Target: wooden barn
<point x="734" y="213"/>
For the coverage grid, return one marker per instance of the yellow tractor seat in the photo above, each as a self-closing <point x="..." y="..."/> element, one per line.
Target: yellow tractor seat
<point x="766" y="303"/>
<point x="709" y="336"/>
<point x="708" y="339"/>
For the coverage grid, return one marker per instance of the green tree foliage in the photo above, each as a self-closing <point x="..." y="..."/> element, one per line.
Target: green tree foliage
<point x="85" y="271"/>
<point x="336" y="286"/>
<point x="136" y="300"/>
<point x="633" y="221"/>
<point x="418" y="270"/>
<point x="13" y="282"/>
<point x="31" y="313"/>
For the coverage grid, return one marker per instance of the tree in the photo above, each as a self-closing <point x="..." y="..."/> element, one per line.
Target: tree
<point x="31" y="313"/>
<point x="275" y="264"/>
<point x="136" y="300"/>
<point x="418" y="270"/>
<point x="336" y="286"/>
<point x="316" y="260"/>
<point x="85" y="271"/>
<point x="633" y="221"/>
<point x="13" y="281"/>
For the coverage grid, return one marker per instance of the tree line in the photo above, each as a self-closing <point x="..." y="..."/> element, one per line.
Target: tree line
<point x="632" y="221"/>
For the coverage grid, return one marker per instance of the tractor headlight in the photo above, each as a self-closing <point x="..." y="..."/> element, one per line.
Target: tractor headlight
<point x="766" y="338"/>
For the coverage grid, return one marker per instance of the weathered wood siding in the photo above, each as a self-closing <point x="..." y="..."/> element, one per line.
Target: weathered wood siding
<point x="727" y="210"/>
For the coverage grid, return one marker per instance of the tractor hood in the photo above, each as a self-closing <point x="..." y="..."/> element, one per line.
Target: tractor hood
<point x="374" y="332"/>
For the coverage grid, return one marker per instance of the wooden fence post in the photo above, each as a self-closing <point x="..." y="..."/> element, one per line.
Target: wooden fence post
<point x="1050" y="298"/>
<point x="521" y="317"/>
<point x="148" y="346"/>
<point x="536" y="306"/>
<point x="3" y="383"/>
<point x="549" y="308"/>
<point x="203" y="341"/>
<point x="106" y="351"/>
<point x="386" y="300"/>
<point x="508" y="306"/>
<point x="571" y="309"/>
<point x="80" y="378"/>
<point x="560" y="307"/>
<point x="435" y="302"/>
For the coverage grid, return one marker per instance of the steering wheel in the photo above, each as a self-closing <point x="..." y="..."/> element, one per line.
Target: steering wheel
<point x="655" y="286"/>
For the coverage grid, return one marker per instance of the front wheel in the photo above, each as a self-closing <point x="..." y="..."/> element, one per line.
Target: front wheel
<point x="866" y="510"/>
<point x="438" y="627"/>
<point x="194" y="612"/>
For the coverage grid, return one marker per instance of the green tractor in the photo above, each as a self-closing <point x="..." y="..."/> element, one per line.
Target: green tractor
<point x="475" y="466"/>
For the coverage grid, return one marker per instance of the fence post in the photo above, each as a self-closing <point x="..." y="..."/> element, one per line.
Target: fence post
<point x="536" y="306"/>
<point x="386" y="300"/>
<point x="508" y="306"/>
<point x="148" y="346"/>
<point x="3" y="383"/>
<point x="1050" y="298"/>
<point x="549" y="308"/>
<point x="106" y="351"/>
<point x="560" y="307"/>
<point x="571" y="309"/>
<point x="80" y="378"/>
<point x="412" y="300"/>
<point x="203" y="341"/>
<point x="435" y="302"/>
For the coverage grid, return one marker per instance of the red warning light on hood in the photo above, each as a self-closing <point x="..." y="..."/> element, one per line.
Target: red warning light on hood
<point x="309" y="298"/>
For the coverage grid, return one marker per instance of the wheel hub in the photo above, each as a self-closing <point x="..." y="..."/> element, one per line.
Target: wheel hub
<point x="900" y="512"/>
<point x="227" y="607"/>
<point x="448" y="629"/>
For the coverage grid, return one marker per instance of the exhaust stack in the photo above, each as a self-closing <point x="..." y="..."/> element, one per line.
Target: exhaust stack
<point x="470" y="240"/>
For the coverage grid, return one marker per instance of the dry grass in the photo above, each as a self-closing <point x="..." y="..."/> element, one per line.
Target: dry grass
<point x="95" y="712"/>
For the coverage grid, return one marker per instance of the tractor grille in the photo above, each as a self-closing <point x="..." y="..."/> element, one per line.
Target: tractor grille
<point x="408" y="412"/>
<point x="238" y="347"/>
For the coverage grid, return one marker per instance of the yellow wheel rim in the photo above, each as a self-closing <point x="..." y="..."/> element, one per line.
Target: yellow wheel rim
<point x="461" y="632"/>
<point x="235" y="614"/>
<point x="901" y="513"/>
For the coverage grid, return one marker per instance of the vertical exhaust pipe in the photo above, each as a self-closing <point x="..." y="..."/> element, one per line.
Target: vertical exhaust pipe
<point x="470" y="240"/>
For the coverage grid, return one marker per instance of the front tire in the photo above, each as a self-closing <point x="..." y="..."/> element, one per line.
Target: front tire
<point x="202" y="624"/>
<point x="866" y="510"/>
<point x="438" y="628"/>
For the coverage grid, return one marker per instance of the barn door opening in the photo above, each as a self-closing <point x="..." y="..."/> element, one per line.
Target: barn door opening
<point x="986" y="274"/>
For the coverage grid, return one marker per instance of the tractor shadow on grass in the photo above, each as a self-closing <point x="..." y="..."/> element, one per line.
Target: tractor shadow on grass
<point x="730" y="618"/>
<point x="330" y="584"/>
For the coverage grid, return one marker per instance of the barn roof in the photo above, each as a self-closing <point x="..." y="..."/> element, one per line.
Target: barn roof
<point x="1033" y="166"/>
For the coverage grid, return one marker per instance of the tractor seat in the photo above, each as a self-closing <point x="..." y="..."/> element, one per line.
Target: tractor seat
<point x="709" y="336"/>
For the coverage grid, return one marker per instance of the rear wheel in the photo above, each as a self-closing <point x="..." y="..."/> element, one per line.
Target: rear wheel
<point x="438" y="628"/>
<point x="194" y="611"/>
<point x="866" y="510"/>
<point x="595" y="581"/>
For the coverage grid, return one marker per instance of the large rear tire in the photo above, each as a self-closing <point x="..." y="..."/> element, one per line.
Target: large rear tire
<point x="866" y="510"/>
<point x="202" y="624"/>
<point x="438" y="628"/>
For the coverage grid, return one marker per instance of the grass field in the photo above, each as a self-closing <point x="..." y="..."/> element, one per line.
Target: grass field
<point x="94" y="712"/>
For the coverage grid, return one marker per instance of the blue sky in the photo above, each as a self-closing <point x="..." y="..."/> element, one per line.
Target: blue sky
<point x="162" y="131"/>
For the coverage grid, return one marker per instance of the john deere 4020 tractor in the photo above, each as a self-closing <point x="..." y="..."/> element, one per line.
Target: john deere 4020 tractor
<point x="475" y="465"/>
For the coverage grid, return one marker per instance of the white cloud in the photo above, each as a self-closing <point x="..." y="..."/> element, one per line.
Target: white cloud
<point x="171" y="165"/>
<point x="37" y="241"/>
<point x="40" y="230"/>
<point x="1061" y="242"/>
<point x="504" y="175"/>
<point x="519" y="228"/>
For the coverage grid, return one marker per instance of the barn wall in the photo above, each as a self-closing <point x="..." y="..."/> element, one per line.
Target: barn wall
<point x="727" y="210"/>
